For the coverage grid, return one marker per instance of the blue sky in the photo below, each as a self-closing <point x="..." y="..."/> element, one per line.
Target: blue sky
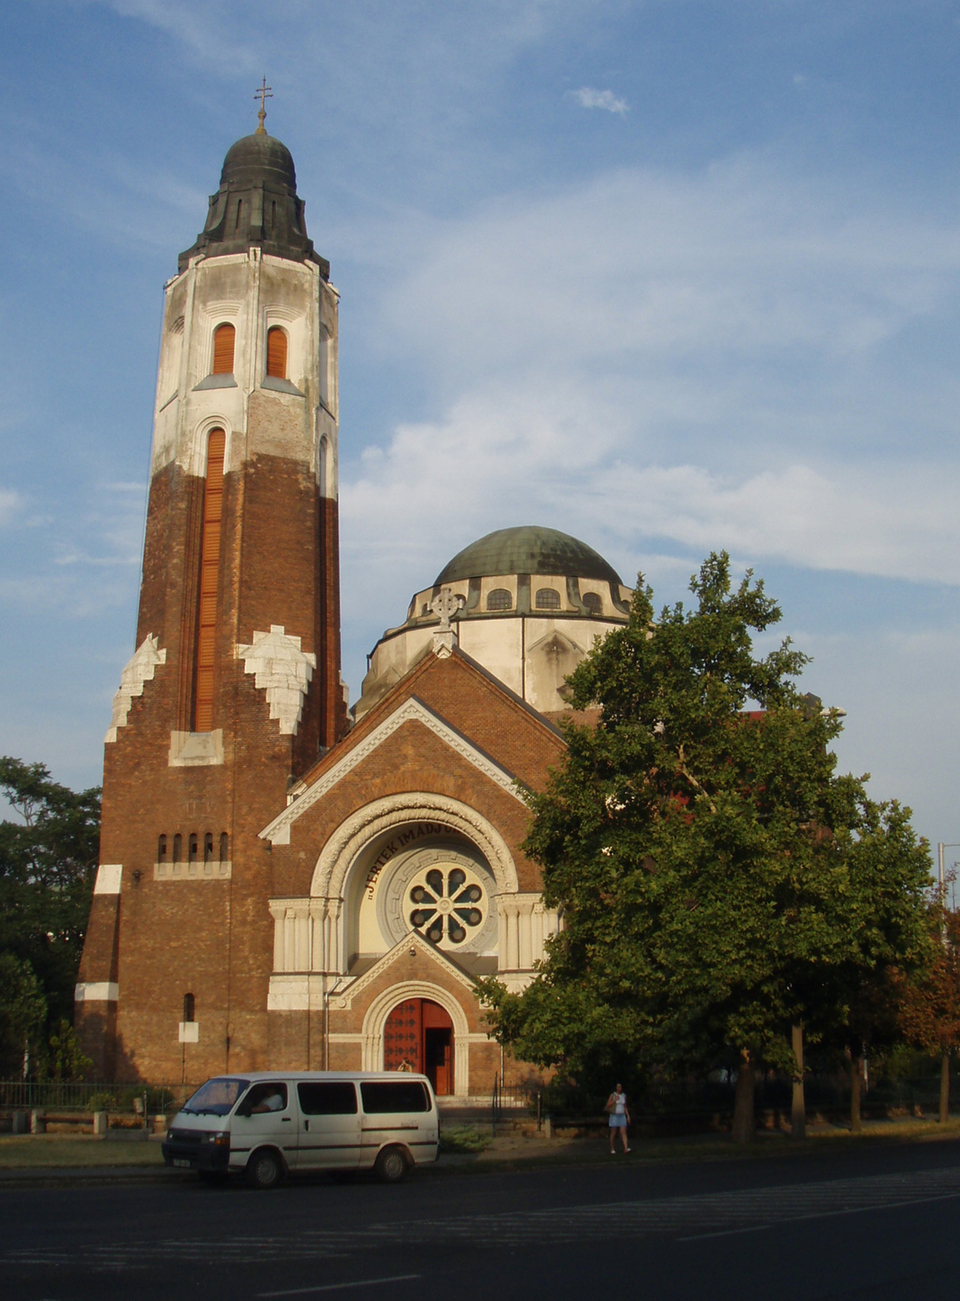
<point x="668" y="276"/>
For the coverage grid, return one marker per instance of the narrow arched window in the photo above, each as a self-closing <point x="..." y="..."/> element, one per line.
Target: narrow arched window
<point x="224" y="847"/>
<point x="224" y="338"/>
<point x="189" y="1007"/>
<point x="162" y="849"/>
<point x="208" y="847"/>
<point x="499" y="599"/>
<point x="593" y="602"/>
<point x="207" y="614"/>
<point x="277" y="352"/>
<point x="548" y="599"/>
<point x="194" y="847"/>
<point x="177" y="848"/>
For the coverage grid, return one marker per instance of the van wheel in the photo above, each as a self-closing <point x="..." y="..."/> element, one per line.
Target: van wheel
<point x="390" y="1166"/>
<point x="264" y="1169"/>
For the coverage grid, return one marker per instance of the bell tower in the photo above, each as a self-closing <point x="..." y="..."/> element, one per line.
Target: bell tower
<point x="234" y="686"/>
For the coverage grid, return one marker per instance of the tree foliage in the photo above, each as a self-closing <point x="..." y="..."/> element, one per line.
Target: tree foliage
<point x="717" y="880"/>
<point x="48" y="858"/>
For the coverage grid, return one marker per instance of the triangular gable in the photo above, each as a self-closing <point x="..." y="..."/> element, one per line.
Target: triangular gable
<point x="411" y="710"/>
<point x="413" y="939"/>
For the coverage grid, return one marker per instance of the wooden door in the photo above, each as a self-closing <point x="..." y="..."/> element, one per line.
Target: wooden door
<point x="403" y="1037"/>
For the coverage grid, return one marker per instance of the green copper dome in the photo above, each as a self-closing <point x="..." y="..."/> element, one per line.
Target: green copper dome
<point x="529" y="549"/>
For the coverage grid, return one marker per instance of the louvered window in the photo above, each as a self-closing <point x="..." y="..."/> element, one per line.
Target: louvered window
<point x="277" y="352"/>
<point x="224" y="847"/>
<point x="206" y="650"/>
<point x="224" y="337"/>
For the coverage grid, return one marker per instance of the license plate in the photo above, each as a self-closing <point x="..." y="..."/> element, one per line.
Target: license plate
<point x="179" y="1160"/>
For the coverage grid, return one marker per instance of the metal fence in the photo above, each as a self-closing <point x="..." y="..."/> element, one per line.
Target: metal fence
<point x="34" y="1095"/>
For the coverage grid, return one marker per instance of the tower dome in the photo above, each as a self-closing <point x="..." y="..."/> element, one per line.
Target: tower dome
<point x="256" y="206"/>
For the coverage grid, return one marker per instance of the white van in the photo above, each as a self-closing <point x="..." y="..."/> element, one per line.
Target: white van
<point x="263" y="1124"/>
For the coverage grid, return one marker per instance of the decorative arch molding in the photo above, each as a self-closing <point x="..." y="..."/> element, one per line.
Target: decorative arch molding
<point x="342" y="851"/>
<point x="375" y="1019"/>
<point x="201" y="442"/>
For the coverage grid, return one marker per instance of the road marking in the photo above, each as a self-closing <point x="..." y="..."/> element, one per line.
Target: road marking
<point x="335" y="1287"/>
<point x="821" y="1215"/>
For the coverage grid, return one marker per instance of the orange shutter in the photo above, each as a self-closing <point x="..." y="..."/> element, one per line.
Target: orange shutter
<point x="206" y="649"/>
<point x="223" y="341"/>
<point x="277" y="352"/>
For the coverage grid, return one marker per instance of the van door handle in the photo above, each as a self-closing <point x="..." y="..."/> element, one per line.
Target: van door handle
<point x="306" y="1124"/>
<point x="285" y="1120"/>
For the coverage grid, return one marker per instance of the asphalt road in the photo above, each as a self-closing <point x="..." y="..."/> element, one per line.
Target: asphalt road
<point x="881" y="1223"/>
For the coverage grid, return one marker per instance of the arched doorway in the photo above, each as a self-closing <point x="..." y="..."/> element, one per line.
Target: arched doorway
<point x="418" y="1036"/>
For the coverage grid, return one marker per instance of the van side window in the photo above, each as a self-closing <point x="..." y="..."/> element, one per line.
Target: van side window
<point x="383" y="1096"/>
<point x="266" y="1097"/>
<point x="331" y="1098"/>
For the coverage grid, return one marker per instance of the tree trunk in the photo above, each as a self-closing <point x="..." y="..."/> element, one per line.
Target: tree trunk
<point x="944" y="1086"/>
<point x="798" y="1106"/>
<point x="856" y="1127"/>
<point x="743" y="1102"/>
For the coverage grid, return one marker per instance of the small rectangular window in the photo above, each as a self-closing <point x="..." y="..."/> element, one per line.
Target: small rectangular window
<point x="327" y="1098"/>
<point x="380" y="1097"/>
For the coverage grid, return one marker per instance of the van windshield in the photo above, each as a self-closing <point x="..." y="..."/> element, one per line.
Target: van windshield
<point x="216" y="1097"/>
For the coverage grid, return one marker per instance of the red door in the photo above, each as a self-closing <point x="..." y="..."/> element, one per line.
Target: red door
<point x="403" y="1037"/>
<point x="418" y="1036"/>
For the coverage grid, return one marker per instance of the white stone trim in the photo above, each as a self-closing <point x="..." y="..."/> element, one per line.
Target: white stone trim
<point x="109" y="876"/>
<point x="189" y="1032"/>
<point x="193" y="871"/>
<point x="283" y="670"/>
<point x="411" y="711"/>
<point x="96" y="991"/>
<point x="196" y="749"/>
<point x="299" y="991"/>
<point x="525" y="926"/>
<point x="139" y="669"/>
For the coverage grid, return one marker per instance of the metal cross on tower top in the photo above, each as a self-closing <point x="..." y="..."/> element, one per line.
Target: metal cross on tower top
<point x="263" y="94"/>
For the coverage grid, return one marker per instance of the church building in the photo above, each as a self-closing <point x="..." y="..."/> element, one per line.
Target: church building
<point x="283" y="884"/>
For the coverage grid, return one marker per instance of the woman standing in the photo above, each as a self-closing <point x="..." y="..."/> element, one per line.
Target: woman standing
<point x="619" y="1116"/>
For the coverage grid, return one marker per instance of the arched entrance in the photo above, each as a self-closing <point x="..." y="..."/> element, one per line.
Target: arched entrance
<point x="418" y="1036"/>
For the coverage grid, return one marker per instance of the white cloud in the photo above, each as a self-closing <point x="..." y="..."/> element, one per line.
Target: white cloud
<point x="11" y="503"/>
<point x="587" y="97"/>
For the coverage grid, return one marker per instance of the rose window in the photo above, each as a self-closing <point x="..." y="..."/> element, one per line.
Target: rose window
<point x="446" y="904"/>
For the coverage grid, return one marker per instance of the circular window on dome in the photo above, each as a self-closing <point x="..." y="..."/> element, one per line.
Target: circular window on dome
<point x="448" y="904"/>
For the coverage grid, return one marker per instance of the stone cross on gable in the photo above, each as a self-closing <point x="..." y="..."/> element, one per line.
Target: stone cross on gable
<point x="446" y="606"/>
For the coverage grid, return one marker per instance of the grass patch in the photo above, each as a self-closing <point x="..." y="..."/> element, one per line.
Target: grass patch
<point x="464" y="1138"/>
<point x="45" y="1151"/>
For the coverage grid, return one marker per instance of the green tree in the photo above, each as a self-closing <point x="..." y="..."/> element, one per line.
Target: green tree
<point x="23" y="1014"/>
<point x="700" y="847"/>
<point x="929" y="1003"/>
<point x="48" y="860"/>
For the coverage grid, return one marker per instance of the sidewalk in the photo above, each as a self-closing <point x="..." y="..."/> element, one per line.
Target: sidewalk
<point x="52" y="1160"/>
